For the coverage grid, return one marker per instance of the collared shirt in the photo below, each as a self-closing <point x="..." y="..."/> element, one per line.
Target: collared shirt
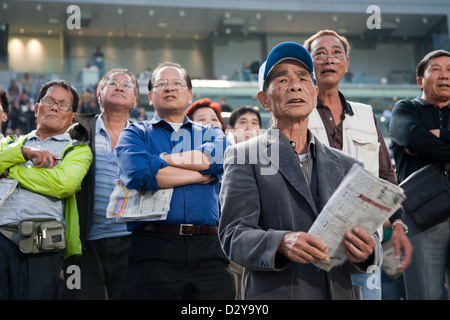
<point x="106" y="173"/>
<point x="25" y="204"/>
<point x="307" y="159"/>
<point x="138" y="153"/>
<point x="335" y="137"/>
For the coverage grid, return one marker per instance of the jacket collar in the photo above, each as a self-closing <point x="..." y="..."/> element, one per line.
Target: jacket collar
<point x="329" y="171"/>
<point x="284" y="159"/>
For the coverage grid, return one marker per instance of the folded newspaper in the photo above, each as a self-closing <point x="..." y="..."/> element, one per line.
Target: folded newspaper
<point x="7" y="186"/>
<point x="128" y="204"/>
<point x="361" y="200"/>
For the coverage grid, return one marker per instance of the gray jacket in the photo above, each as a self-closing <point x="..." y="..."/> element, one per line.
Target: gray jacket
<point x="264" y="195"/>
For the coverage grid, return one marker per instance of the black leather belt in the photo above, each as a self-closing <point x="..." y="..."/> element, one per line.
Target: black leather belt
<point x="182" y="229"/>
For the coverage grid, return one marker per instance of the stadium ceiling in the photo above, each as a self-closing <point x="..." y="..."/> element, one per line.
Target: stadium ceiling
<point x="183" y="21"/>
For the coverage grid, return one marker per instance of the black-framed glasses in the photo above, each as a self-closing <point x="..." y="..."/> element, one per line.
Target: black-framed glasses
<point x="163" y="84"/>
<point x="322" y="58"/>
<point x="63" y="106"/>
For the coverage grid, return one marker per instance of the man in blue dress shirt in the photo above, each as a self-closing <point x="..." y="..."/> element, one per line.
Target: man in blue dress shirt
<point x="180" y="257"/>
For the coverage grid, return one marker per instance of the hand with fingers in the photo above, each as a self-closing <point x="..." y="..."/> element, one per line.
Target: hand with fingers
<point x="40" y="158"/>
<point x="303" y="248"/>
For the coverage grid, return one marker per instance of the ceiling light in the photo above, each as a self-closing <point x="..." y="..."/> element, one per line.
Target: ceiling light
<point x="151" y="12"/>
<point x="162" y="24"/>
<point x="5" y="5"/>
<point x="397" y="20"/>
<point x="335" y="18"/>
<point x="424" y="20"/>
<point x="38" y="7"/>
<point x="289" y="17"/>
<point x="182" y="14"/>
<point x="119" y="11"/>
<point x="258" y="16"/>
<point x="196" y="37"/>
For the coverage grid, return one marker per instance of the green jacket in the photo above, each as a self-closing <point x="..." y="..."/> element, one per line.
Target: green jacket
<point x="61" y="182"/>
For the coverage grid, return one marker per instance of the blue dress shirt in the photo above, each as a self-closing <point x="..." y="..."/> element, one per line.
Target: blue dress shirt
<point x="138" y="150"/>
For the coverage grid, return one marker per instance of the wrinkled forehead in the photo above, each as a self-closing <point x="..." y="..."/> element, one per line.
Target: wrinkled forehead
<point x="443" y="61"/>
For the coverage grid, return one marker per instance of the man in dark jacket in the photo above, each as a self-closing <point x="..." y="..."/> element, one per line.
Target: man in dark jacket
<point x="420" y="135"/>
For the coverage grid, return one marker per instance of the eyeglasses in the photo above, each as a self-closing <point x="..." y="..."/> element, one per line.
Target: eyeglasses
<point x="126" y="85"/>
<point x="63" y="106"/>
<point x="163" y="84"/>
<point x="323" y="58"/>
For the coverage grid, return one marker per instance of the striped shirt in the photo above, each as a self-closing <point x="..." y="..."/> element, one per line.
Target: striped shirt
<point x="25" y="204"/>
<point x="106" y="173"/>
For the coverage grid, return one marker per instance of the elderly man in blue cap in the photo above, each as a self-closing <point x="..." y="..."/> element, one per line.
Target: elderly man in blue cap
<point x="274" y="187"/>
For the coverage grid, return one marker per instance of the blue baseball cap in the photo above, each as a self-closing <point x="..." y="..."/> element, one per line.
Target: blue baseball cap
<point x="283" y="51"/>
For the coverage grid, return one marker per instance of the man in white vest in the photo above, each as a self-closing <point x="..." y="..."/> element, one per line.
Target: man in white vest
<point x="352" y="128"/>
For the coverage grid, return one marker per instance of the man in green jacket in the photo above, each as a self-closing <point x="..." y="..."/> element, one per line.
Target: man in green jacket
<point x="39" y="218"/>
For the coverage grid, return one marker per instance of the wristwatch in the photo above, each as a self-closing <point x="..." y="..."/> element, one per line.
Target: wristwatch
<point x="400" y="223"/>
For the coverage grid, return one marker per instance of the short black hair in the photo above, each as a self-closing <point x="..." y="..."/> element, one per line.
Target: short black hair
<point x="187" y="78"/>
<point x="5" y="101"/>
<point x="422" y="65"/>
<point x="240" y="111"/>
<point x="62" y="83"/>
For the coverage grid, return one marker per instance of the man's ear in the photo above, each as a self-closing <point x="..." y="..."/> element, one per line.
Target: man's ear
<point x="262" y="97"/>
<point x="36" y="109"/>
<point x="420" y="82"/>
<point x="150" y="98"/>
<point x="74" y="115"/>
<point x="191" y="95"/>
